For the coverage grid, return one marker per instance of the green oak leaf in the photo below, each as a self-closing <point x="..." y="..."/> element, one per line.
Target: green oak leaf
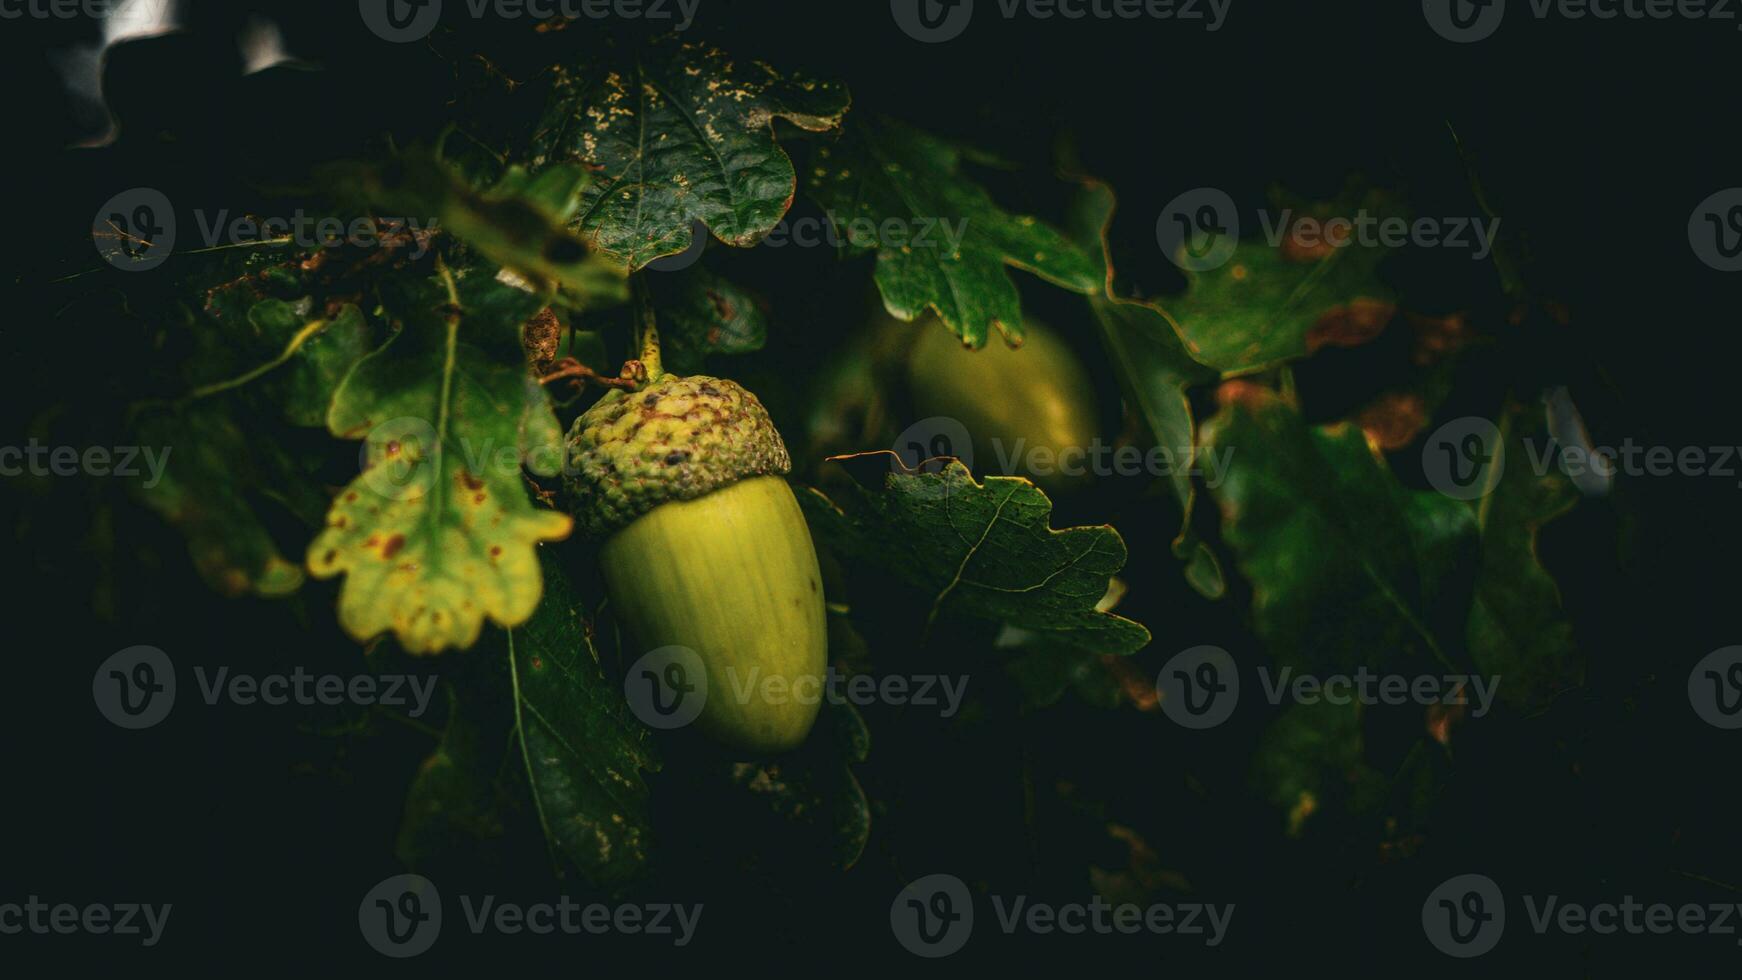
<point x="583" y="750"/>
<point x="702" y="314"/>
<point x="678" y="133"/>
<point x="1155" y="369"/>
<point x="984" y="550"/>
<point x="1317" y="523"/>
<point x="1269" y="304"/>
<point x="1517" y="628"/>
<point x="437" y="534"/>
<point x="941" y="241"/>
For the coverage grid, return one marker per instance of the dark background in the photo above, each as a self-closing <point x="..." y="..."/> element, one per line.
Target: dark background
<point x="1596" y="138"/>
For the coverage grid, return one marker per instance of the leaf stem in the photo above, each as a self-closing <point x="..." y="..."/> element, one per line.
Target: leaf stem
<point x="302" y="336"/>
<point x="648" y="325"/>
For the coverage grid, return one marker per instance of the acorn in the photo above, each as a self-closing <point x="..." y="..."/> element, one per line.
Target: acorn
<point x="1012" y="401"/>
<point x="703" y="545"/>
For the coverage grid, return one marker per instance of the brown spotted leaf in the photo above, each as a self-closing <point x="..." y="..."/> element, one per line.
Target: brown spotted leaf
<point x="437" y="533"/>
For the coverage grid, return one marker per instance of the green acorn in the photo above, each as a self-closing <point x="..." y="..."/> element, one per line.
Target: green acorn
<point x="1033" y="397"/>
<point x="704" y="547"/>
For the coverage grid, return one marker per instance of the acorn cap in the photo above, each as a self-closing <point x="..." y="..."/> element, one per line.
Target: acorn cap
<point x="675" y="439"/>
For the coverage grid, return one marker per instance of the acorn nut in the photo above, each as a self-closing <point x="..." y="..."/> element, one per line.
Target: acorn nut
<point x="704" y="547"/>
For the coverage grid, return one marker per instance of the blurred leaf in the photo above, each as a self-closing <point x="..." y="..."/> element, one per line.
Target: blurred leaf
<point x="1310" y="756"/>
<point x="1046" y="670"/>
<point x="1156" y="369"/>
<point x="327" y="349"/>
<point x="1313" y="759"/>
<point x="1270" y="304"/>
<point x="954" y="241"/>
<point x="1517" y="629"/>
<point x="437" y="533"/>
<point x="209" y="467"/>
<point x="454" y="795"/>
<point x="702" y="314"/>
<point x="983" y="550"/>
<point x="675" y="134"/>
<point x="1346" y="565"/>
<point x="813" y="791"/>
<point x="583" y="749"/>
<point x="520" y="222"/>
